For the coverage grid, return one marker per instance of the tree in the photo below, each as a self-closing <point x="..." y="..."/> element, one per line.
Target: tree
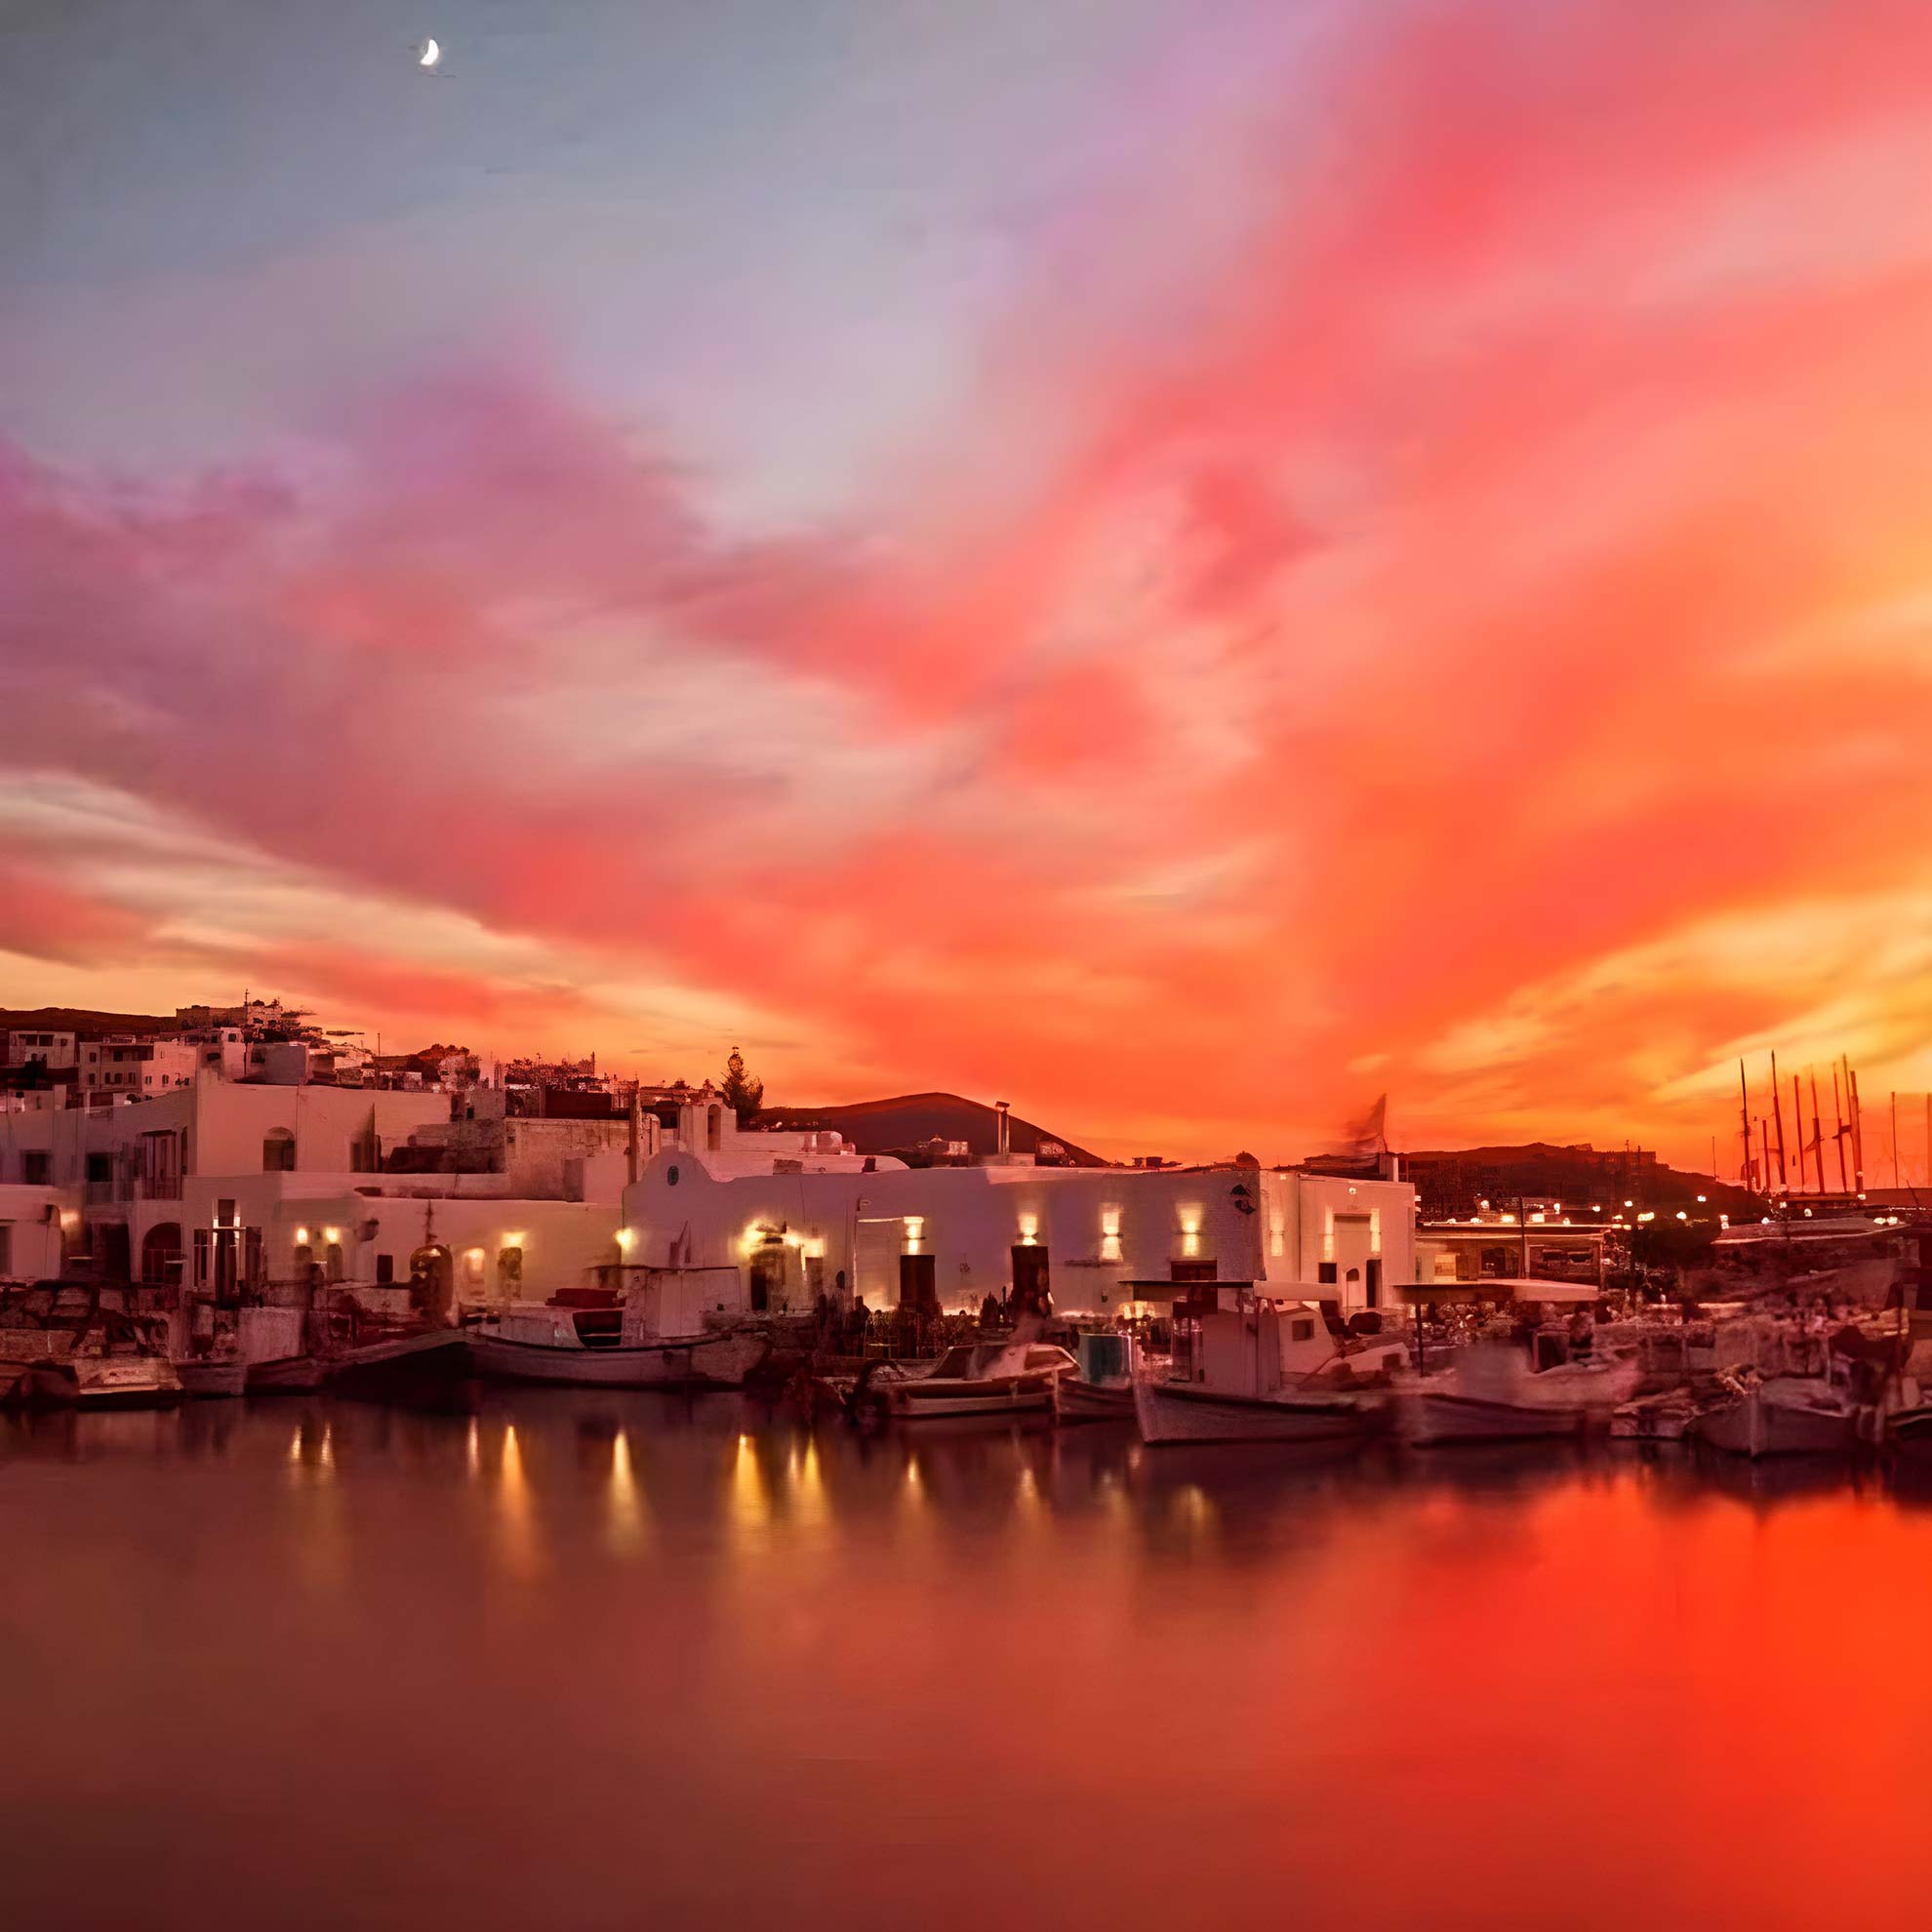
<point x="745" y="1092"/>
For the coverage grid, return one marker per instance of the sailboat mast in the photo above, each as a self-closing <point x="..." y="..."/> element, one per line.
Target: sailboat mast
<point x="1777" y="1113"/>
<point x="1838" y="1132"/>
<point x="1817" y="1131"/>
<point x="1744" y="1111"/>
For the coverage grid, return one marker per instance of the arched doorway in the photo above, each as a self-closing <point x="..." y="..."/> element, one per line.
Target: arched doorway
<point x="161" y="1255"/>
<point x="431" y="1279"/>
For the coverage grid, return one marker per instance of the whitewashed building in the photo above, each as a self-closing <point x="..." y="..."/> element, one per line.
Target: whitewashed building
<point x="802" y="1218"/>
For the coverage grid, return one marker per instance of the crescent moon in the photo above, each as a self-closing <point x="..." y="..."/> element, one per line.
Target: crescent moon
<point x="429" y="55"/>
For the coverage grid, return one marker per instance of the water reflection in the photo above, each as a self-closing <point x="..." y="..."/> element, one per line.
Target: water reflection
<point x="866" y="1657"/>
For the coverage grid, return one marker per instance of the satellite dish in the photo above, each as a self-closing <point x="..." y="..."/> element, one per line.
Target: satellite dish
<point x="428" y="55"/>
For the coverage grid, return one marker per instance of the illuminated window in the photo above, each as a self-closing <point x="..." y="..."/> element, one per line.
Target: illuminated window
<point x="472" y="1267"/>
<point x="915" y="1233"/>
<point x="1109" y="1235"/>
<point x="1328" y="1238"/>
<point x="509" y="1268"/>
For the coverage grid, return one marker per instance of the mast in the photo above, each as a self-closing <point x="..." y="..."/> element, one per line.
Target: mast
<point x="1777" y="1112"/>
<point x="1895" y="1138"/>
<point x="1765" y="1137"/>
<point x="1857" y="1126"/>
<point x="1744" y="1109"/>
<point x="1817" y="1131"/>
<point x="1839" y="1131"/>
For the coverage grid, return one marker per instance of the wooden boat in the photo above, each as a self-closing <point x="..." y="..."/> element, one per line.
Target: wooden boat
<point x="971" y="1379"/>
<point x="676" y="1329"/>
<point x="1783" y="1415"/>
<point x="1496" y="1392"/>
<point x="413" y="1360"/>
<point x="1173" y="1412"/>
<point x="290" y="1375"/>
<point x="556" y="1346"/>
<point x="1101" y="1385"/>
<point x="1250" y="1368"/>
<point x="208" y="1376"/>
<point x="85" y="1380"/>
<point x="1663" y="1418"/>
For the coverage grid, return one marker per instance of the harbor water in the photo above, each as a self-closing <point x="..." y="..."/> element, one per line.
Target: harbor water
<point x="580" y="1660"/>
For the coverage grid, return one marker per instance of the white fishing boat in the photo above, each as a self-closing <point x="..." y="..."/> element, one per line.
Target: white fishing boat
<point x="677" y="1328"/>
<point x="1255" y="1369"/>
<point x="1495" y="1393"/>
<point x="971" y="1379"/>
<point x="1781" y="1415"/>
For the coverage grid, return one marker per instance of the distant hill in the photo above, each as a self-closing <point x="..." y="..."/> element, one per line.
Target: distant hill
<point x="888" y="1126"/>
<point x="1457" y="1180"/>
<point x="81" y="1019"/>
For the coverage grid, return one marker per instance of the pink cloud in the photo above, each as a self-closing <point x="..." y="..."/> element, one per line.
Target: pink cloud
<point x="1384" y="636"/>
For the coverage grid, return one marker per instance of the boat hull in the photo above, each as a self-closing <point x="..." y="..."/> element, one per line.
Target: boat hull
<point x="142" y="1384"/>
<point x="1092" y="1401"/>
<point x="430" y="1359"/>
<point x="205" y="1380"/>
<point x="1749" y="1425"/>
<point x="1176" y="1412"/>
<point x="713" y="1362"/>
<point x="924" y="1400"/>
<point x="1436" y="1418"/>
<point x="290" y="1375"/>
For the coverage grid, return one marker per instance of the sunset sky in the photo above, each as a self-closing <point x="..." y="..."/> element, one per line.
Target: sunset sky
<point x="1183" y="563"/>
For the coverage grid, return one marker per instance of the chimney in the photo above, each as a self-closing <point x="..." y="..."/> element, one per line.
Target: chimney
<point x="1005" y="1136"/>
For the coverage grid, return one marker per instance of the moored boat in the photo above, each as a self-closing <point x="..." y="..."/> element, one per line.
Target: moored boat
<point x="290" y="1375"/>
<point x="209" y="1376"/>
<point x="973" y="1379"/>
<point x="98" y="1382"/>
<point x="677" y="1328"/>
<point x="1251" y="1368"/>
<point x="1174" y="1412"/>
<point x="1781" y="1416"/>
<point x="1099" y="1387"/>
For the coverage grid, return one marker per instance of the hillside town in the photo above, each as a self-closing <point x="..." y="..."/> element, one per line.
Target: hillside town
<point x="271" y="1195"/>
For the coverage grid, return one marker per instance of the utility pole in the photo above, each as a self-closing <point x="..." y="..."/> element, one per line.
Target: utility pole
<point x="1777" y="1110"/>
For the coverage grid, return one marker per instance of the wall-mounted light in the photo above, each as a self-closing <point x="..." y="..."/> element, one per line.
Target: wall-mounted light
<point x="915" y="1233"/>
<point x="627" y="1239"/>
<point x="301" y="1237"/>
<point x="1029" y="1230"/>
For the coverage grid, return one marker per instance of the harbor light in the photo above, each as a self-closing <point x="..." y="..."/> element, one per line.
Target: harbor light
<point x="1681" y="1215"/>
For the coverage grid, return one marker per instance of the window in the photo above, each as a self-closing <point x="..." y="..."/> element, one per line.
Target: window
<point x="1325" y="1270"/>
<point x="509" y="1270"/>
<point x="279" y="1151"/>
<point x="385" y="1270"/>
<point x="100" y="1167"/>
<point x="36" y="1167"/>
<point x="1301" y="1330"/>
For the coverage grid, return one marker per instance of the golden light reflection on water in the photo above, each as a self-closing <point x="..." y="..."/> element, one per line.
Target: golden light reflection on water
<point x="627" y="1498"/>
<point x="810" y="1503"/>
<point x="473" y="1450"/>
<point x="516" y="1516"/>
<point x="749" y="1500"/>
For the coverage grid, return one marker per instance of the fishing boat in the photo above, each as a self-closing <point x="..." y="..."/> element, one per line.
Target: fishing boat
<point x="209" y="1376"/>
<point x="971" y="1379"/>
<point x="287" y="1375"/>
<point x="406" y="1363"/>
<point x="1101" y="1385"/>
<point x="98" y="1382"/>
<point x="1781" y="1415"/>
<point x="1249" y="1368"/>
<point x="677" y="1328"/>
<point x="1496" y="1392"/>
<point x="1667" y="1416"/>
